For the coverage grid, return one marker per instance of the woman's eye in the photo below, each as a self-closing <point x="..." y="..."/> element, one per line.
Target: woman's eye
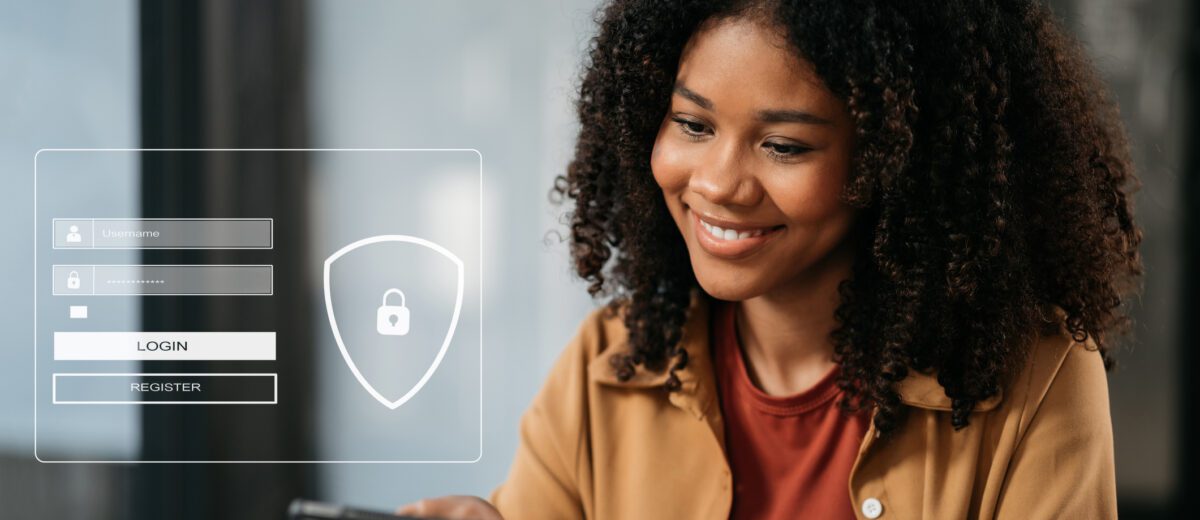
<point x="691" y="128"/>
<point x="780" y="150"/>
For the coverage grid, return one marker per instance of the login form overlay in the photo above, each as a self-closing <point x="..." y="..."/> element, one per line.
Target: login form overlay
<point x="258" y="305"/>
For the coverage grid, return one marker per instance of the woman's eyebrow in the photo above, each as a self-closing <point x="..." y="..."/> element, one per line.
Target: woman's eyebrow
<point x="694" y="97"/>
<point x="792" y="116"/>
<point x="767" y="116"/>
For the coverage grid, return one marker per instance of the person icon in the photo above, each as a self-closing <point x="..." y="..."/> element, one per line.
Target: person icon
<point x="73" y="236"/>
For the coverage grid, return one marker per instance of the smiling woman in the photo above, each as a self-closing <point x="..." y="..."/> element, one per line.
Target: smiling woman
<point x="864" y="261"/>
<point x="752" y="157"/>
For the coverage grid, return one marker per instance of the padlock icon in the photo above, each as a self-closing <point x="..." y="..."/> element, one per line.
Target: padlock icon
<point x="392" y="320"/>
<point x="73" y="280"/>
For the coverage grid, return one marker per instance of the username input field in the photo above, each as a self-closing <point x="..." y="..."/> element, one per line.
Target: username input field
<point x="163" y="233"/>
<point x="163" y="280"/>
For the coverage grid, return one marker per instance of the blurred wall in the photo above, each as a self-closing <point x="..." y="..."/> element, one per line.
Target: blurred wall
<point x="69" y="79"/>
<point x="1137" y="46"/>
<point x="498" y="77"/>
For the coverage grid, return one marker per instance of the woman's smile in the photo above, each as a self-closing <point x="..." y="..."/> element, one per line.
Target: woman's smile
<point x="731" y="239"/>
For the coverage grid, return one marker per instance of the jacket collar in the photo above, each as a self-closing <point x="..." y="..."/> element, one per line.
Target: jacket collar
<point x="698" y="389"/>
<point x="698" y="386"/>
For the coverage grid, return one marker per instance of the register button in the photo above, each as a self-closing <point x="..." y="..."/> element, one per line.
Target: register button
<point x="233" y="388"/>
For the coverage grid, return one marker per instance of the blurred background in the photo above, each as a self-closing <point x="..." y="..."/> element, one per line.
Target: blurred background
<point x="498" y="77"/>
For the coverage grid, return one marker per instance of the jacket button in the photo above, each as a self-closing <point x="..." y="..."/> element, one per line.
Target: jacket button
<point x="872" y="508"/>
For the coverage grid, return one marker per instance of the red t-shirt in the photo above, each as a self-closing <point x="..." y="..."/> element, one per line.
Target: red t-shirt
<point x="791" y="455"/>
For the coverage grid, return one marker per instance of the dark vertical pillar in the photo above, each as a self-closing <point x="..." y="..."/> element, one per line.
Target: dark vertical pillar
<point x="227" y="74"/>
<point x="1190" y="306"/>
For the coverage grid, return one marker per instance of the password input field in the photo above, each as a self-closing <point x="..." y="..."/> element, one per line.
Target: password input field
<point x="163" y="280"/>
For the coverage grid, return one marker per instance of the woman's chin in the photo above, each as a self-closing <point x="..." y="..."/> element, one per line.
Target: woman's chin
<point x="728" y="288"/>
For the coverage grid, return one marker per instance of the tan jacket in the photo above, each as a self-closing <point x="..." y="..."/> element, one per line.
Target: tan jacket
<point x="594" y="447"/>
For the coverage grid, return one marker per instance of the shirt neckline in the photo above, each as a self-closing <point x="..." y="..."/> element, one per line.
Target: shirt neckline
<point x="816" y="396"/>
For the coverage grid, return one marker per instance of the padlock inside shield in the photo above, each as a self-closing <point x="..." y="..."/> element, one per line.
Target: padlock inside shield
<point x="392" y="320"/>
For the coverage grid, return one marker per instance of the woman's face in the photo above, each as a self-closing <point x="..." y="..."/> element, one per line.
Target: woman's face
<point x="751" y="157"/>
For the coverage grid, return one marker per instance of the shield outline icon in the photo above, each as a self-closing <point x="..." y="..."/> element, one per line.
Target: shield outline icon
<point x="337" y="335"/>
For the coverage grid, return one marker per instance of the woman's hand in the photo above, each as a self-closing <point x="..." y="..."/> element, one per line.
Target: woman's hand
<point x="454" y="507"/>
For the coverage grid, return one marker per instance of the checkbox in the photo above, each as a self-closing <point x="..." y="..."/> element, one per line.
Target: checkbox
<point x="79" y="312"/>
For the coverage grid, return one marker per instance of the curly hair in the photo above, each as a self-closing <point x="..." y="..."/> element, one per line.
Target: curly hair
<point x="991" y="172"/>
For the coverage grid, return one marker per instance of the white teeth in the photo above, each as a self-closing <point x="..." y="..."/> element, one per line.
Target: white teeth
<point x="730" y="234"/>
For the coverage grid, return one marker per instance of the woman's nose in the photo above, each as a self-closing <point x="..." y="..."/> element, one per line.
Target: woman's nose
<point x="726" y="177"/>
